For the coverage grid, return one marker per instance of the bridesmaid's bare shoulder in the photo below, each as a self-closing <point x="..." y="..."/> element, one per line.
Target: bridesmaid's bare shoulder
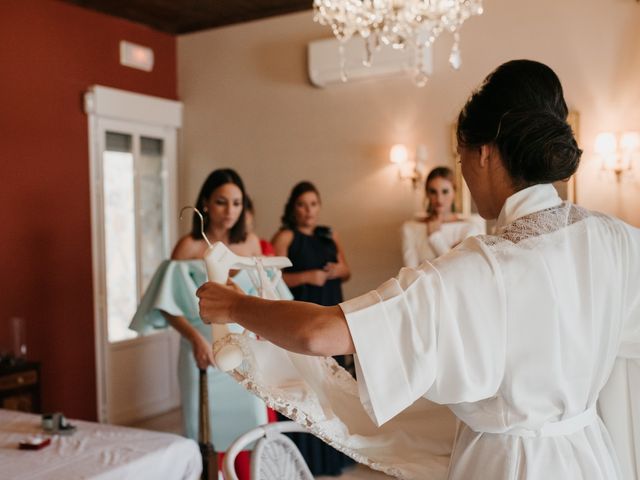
<point x="284" y="236"/>
<point x="281" y="241"/>
<point x="188" y="248"/>
<point x="250" y="247"/>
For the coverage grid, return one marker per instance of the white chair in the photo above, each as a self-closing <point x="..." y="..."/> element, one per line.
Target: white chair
<point x="274" y="457"/>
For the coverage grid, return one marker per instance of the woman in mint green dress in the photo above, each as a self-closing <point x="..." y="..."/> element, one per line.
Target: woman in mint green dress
<point x="170" y="298"/>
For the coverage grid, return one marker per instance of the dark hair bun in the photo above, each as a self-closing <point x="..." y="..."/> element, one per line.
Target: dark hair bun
<point x="537" y="147"/>
<point x="520" y="108"/>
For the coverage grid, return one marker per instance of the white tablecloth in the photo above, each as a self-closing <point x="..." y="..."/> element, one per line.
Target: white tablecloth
<point x="95" y="451"/>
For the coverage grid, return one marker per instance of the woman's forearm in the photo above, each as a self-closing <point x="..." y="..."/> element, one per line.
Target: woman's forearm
<point x="201" y="346"/>
<point x="296" y="326"/>
<point x="344" y="273"/>
<point x="182" y="325"/>
<point x="295" y="279"/>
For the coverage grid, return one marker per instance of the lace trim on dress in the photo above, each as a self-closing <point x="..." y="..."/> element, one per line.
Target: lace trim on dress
<point x="304" y="410"/>
<point x="539" y="223"/>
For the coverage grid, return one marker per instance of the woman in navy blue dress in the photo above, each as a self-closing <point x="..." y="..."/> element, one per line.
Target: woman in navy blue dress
<point x="319" y="268"/>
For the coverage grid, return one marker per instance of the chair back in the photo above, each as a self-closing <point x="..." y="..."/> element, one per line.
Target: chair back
<point x="274" y="457"/>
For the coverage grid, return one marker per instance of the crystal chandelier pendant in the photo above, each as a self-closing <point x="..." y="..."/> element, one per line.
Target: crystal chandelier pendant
<point x="420" y="78"/>
<point x="368" y="57"/>
<point x="455" y="59"/>
<point x="398" y="24"/>
<point x="343" y="63"/>
<point x="420" y="75"/>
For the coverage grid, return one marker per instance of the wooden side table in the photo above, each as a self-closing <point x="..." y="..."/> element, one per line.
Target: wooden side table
<point x="20" y="387"/>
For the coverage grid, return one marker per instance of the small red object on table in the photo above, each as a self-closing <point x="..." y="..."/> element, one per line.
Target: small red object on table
<point x="34" y="443"/>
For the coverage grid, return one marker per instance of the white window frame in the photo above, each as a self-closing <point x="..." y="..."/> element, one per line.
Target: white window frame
<point x="124" y="112"/>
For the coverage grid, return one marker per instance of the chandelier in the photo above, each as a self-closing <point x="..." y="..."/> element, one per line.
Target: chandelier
<point x="397" y="23"/>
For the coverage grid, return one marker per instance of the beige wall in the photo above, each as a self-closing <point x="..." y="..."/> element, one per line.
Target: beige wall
<point x="249" y="106"/>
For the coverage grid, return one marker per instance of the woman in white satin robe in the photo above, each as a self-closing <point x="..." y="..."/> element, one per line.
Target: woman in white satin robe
<point x="531" y="335"/>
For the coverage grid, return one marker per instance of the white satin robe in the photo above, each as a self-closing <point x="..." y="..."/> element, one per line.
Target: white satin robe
<point x="518" y="333"/>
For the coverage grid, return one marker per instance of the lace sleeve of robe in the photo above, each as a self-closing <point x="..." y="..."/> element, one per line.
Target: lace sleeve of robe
<point x="619" y="402"/>
<point x="437" y="332"/>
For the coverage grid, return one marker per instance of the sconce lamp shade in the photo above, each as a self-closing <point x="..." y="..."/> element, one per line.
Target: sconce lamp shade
<point x="399" y="154"/>
<point x="618" y="152"/>
<point x="606" y="143"/>
<point x="408" y="166"/>
<point x="630" y="141"/>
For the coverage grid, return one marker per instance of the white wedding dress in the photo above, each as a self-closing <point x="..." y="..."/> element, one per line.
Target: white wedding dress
<point x="520" y="334"/>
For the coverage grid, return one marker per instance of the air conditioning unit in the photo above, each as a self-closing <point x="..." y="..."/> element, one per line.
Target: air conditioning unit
<point x="324" y="61"/>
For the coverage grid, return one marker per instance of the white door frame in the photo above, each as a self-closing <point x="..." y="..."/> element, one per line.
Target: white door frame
<point x="118" y="110"/>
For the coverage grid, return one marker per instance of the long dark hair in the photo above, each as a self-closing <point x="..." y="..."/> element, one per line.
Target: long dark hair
<point x="440" y="172"/>
<point x="288" y="219"/>
<point x="521" y="109"/>
<point x="217" y="178"/>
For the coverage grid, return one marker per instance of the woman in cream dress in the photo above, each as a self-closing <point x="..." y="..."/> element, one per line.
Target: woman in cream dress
<point x="442" y="228"/>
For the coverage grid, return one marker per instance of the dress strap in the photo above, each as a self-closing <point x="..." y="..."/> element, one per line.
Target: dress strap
<point x="553" y="429"/>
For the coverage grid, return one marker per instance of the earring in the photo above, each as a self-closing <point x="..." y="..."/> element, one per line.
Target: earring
<point x="205" y="209"/>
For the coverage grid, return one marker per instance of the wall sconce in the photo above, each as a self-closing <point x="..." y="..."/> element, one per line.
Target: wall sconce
<point x="618" y="152"/>
<point x="409" y="168"/>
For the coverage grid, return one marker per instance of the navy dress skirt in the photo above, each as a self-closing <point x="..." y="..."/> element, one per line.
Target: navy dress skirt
<point x="311" y="252"/>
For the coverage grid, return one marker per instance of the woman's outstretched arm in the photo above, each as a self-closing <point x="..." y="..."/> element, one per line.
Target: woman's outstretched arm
<point x="296" y="326"/>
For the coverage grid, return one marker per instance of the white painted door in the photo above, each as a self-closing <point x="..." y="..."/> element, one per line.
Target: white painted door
<point x="133" y="170"/>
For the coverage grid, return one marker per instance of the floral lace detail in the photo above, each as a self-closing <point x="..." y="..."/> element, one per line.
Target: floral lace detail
<point x="304" y="410"/>
<point x="539" y="223"/>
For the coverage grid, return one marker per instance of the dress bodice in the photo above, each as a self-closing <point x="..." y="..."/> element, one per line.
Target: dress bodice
<point x="311" y="252"/>
<point x="418" y="246"/>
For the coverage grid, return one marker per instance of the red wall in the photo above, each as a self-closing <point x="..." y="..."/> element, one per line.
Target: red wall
<point x="50" y="54"/>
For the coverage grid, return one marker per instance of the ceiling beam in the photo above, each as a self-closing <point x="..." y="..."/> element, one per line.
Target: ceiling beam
<point x="186" y="16"/>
